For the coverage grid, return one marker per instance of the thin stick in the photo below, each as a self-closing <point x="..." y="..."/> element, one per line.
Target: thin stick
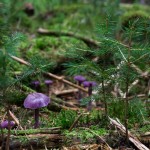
<point x="15" y="119"/>
<point x="75" y="122"/>
<point x="17" y="122"/>
<point x="50" y="74"/>
<point x="132" y="138"/>
<point x="65" y="92"/>
<point x="3" y="117"/>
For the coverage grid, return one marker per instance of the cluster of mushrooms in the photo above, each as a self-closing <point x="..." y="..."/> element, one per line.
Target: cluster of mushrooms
<point x="86" y="84"/>
<point x="37" y="100"/>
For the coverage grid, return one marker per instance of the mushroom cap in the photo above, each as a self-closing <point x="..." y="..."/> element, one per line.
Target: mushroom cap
<point x="36" y="100"/>
<point x="4" y="124"/>
<point x="35" y="83"/>
<point x="89" y="83"/>
<point x="48" y="82"/>
<point x="79" y="78"/>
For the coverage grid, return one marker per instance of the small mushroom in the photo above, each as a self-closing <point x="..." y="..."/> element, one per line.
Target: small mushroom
<point x="90" y="85"/>
<point x="36" y="101"/>
<point x="79" y="79"/>
<point x="36" y="85"/>
<point x="5" y="124"/>
<point x="48" y="84"/>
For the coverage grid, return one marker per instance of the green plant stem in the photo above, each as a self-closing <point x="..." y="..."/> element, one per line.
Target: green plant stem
<point x="79" y="93"/>
<point x="48" y="90"/>
<point x="104" y="97"/>
<point x="148" y="97"/>
<point x="127" y="89"/>
<point x="126" y="109"/>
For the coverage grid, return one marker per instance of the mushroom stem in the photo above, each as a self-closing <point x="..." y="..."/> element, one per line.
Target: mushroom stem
<point x="89" y="107"/>
<point x="48" y="90"/>
<point x="79" y="93"/>
<point x="90" y="90"/>
<point x="36" y="117"/>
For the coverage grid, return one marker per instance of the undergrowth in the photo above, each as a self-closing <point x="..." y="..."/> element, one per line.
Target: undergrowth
<point x="84" y="135"/>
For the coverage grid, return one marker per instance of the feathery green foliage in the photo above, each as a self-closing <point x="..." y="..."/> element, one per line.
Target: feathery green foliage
<point x="115" y="63"/>
<point x="10" y="41"/>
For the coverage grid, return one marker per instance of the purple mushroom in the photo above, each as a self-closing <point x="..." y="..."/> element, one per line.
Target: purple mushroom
<point x="79" y="79"/>
<point x="36" y="85"/>
<point x="89" y="85"/>
<point x="5" y="124"/>
<point x="48" y="84"/>
<point x="36" y="101"/>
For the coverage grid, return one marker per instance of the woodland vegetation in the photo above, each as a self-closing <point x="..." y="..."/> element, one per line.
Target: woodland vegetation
<point x="75" y="74"/>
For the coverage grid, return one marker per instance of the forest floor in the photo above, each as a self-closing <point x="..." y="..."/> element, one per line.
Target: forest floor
<point x="66" y="123"/>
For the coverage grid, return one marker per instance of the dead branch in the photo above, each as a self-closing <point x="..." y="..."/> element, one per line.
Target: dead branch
<point x="55" y="130"/>
<point x="87" y="41"/>
<point x="132" y="138"/>
<point x="36" y="140"/>
<point x="50" y="74"/>
<point x="60" y="101"/>
<point x="15" y="119"/>
<point x="130" y="87"/>
<point x="145" y="138"/>
<point x="64" y="92"/>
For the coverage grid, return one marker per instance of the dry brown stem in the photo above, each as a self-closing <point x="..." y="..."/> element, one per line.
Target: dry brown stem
<point x="50" y="74"/>
<point x="132" y="138"/>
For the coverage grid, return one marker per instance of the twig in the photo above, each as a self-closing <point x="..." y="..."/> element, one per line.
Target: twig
<point x="75" y="122"/>
<point x="89" y="42"/>
<point x="65" y="92"/>
<point x="130" y="87"/>
<point x="65" y="107"/>
<point x="20" y="60"/>
<point x="50" y="74"/>
<point x="58" y="100"/>
<point x="3" y="117"/>
<point x="45" y="147"/>
<point x="132" y="138"/>
<point x="56" y="130"/>
<point x="15" y="119"/>
<point x="17" y="122"/>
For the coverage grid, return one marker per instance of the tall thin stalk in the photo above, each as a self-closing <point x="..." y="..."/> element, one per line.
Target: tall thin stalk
<point x="126" y="108"/>
<point x="104" y="97"/>
<point x="4" y="65"/>
<point x="127" y="87"/>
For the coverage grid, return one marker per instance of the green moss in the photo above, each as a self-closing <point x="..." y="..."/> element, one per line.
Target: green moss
<point x="84" y="135"/>
<point x="137" y="18"/>
<point x="132" y="15"/>
<point x="65" y="118"/>
<point x="135" y="7"/>
<point x="145" y="128"/>
<point x="52" y="48"/>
